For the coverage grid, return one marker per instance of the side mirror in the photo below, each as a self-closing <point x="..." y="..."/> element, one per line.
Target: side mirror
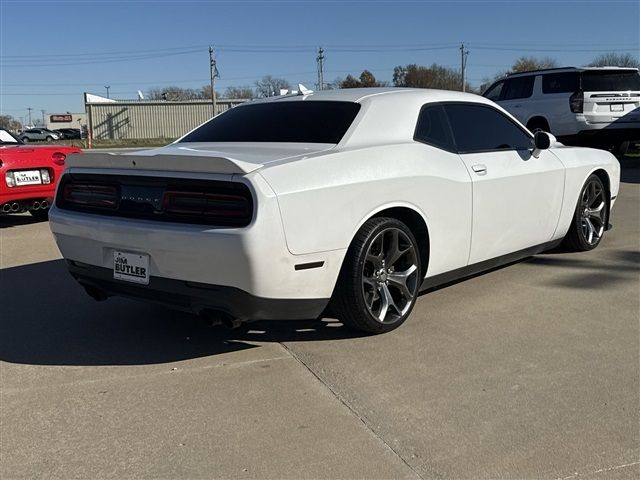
<point x="541" y="141"/>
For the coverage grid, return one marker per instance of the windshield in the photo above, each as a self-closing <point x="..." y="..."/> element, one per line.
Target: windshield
<point x="6" y="137"/>
<point x="285" y="121"/>
<point x="608" y="80"/>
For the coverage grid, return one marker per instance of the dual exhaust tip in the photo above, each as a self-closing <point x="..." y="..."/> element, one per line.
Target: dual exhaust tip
<point x="16" y="207"/>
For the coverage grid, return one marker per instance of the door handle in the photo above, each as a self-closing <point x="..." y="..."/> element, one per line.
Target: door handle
<point x="480" y="169"/>
<point x="516" y="106"/>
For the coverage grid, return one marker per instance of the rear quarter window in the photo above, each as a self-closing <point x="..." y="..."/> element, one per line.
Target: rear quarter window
<point x="520" y="87"/>
<point x="433" y="128"/>
<point x="567" y="82"/>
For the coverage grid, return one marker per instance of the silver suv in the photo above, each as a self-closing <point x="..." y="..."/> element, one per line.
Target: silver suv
<point x="39" y="134"/>
<point x="598" y="106"/>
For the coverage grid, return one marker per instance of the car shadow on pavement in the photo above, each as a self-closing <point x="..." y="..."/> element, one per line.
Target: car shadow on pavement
<point x="47" y="319"/>
<point x="8" y="221"/>
<point x="630" y="171"/>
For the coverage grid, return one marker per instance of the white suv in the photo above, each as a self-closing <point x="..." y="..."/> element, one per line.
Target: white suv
<point x="597" y="106"/>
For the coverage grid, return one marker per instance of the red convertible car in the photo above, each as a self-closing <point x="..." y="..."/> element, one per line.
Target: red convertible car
<point x="29" y="174"/>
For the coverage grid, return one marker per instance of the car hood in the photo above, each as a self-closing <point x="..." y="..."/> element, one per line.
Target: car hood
<point x="227" y="158"/>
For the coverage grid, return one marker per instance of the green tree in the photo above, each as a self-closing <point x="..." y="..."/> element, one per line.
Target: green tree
<point x="435" y="76"/>
<point x="367" y="79"/>
<point x="613" y="59"/>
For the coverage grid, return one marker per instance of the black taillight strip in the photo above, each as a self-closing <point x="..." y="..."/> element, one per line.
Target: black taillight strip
<point x="208" y="202"/>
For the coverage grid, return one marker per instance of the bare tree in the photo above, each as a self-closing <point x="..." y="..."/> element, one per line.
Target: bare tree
<point x="238" y="92"/>
<point x="269" y="86"/>
<point x="173" y="93"/>
<point x="613" y="59"/>
<point x="527" y="64"/>
<point x="9" y="123"/>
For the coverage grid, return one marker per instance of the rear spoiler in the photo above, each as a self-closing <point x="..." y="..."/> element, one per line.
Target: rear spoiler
<point x="184" y="162"/>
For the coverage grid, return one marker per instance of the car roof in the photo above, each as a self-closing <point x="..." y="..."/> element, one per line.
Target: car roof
<point x="359" y="95"/>
<point x="570" y="69"/>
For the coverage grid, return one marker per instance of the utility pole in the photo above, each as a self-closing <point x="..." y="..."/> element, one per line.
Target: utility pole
<point x="29" y="110"/>
<point x="107" y="87"/>
<point x="463" y="63"/>
<point x="43" y="122"/>
<point x="320" y="61"/>
<point x="213" y="72"/>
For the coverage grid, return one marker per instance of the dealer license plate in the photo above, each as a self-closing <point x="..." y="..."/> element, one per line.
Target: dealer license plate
<point x="131" y="267"/>
<point x="27" y="177"/>
<point x="617" y="107"/>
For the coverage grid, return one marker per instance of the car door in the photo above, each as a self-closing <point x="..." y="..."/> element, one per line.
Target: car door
<point x="517" y="198"/>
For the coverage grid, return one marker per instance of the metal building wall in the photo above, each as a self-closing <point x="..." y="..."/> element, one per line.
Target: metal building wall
<point x="152" y="119"/>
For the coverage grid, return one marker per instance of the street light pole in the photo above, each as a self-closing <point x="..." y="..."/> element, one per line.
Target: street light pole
<point x="107" y="87"/>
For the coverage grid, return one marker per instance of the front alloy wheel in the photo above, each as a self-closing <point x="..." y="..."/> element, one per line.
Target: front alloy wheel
<point x="591" y="216"/>
<point x="380" y="278"/>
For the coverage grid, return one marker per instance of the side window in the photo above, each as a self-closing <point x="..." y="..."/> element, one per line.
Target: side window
<point x="493" y="93"/>
<point x="479" y="128"/>
<point x="433" y="128"/>
<point x="560" y="82"/>
<point x="519" y="87"/>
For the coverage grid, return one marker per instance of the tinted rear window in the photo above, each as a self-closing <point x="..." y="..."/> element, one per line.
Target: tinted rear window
<point x="285" y="121"/>
<point x="519" y="87"/>
<point x="560" y="82"/>
<point x="610" y="81"/>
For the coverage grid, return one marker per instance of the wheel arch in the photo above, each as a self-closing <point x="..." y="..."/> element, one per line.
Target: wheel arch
<point x="414" y="219"/>
<point x="539" y="118"/>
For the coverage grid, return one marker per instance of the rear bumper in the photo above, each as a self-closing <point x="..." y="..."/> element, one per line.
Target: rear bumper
<point x="196" y="297"/>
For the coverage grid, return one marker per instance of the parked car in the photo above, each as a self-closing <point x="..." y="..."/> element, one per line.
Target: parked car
<point x="29" y="174"/>
<point x="597" y="106"/>
<point x="69" y="133"/>
<point x="353" y="199"/>
<point x="39" y="134"/>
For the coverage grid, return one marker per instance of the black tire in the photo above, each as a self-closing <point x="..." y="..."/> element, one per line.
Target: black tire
<point x="41" y="214"/>
<point x="49" y="138"/>
<point x="25" y="140"/>
<point x="590" y="218"/>
<point x="366" y="278"/>
<point x="538" y="124"/>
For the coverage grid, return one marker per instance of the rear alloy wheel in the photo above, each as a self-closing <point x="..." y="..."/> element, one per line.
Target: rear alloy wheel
<point x="380" y="278"/>
<point x="590" y="218"/>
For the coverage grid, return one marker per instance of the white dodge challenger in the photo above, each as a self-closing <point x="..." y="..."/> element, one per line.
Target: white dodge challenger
<point x="347" y="201"/>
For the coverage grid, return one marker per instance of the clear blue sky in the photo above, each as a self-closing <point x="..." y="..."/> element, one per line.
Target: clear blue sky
<point x="53" y="51"/>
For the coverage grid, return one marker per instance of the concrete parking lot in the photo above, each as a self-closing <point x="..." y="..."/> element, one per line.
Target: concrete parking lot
<point x="530" y="371"/>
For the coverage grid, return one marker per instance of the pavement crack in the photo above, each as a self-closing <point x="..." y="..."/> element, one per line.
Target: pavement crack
<point x="602" y="470"/>
<point x="344" y="402"/>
